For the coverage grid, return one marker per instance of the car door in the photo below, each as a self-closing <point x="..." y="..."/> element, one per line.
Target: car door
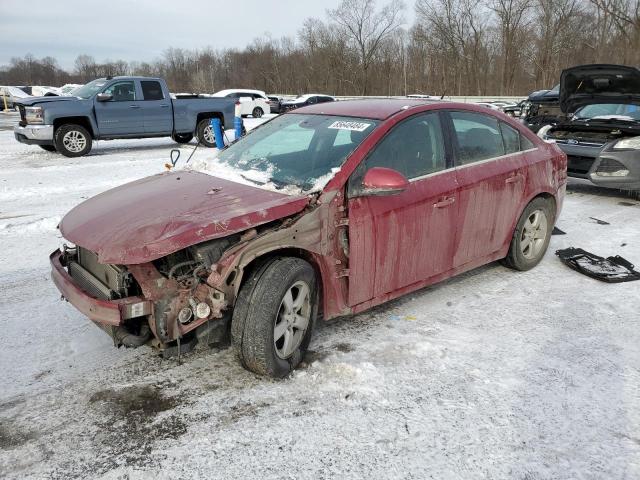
<point x="157" y="113"/>
<point x="123" y="114"/>
<point x="491" y="175"/>
<point x="402" y="239"/>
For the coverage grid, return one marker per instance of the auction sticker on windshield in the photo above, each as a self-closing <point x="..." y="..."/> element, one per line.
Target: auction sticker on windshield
<point x="356" y="126"/>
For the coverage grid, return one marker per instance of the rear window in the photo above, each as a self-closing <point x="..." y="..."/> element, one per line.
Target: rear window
<point x="478" y="137"/>
<point x="151" y="90"/>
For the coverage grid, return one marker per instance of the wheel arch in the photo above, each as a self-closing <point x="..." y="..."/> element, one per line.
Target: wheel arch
<point x="82" y="121"/>
<point x="243" y="273"/>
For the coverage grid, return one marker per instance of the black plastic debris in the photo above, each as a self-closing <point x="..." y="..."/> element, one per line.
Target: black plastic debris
<point x="557" y="231"/>
<point x="599" y="222"/>
<point x="611" y="269"/>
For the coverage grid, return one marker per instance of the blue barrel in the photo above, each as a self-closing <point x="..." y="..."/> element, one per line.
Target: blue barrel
<point x="237" y="125"/>
<point x="217" y="132"/>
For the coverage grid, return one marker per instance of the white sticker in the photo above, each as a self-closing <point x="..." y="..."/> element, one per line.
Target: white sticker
<point x="356" y="126"/>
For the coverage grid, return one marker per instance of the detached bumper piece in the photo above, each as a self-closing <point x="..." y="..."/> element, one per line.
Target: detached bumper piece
<point x="611" y="269"/>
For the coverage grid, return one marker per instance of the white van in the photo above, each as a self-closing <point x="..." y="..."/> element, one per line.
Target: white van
<point x="252" y="102"/>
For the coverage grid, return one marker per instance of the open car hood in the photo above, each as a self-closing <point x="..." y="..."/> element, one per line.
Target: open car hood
<point x="588" y="84"/>
<point x="150" y="218"/>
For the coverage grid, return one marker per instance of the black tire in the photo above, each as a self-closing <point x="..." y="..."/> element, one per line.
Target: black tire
<point x="205" y="133"/>
<point x="66" y="149"/>
<point x="517" y="259"/>
<point x="182" y="137"/>
<point x="48" y="148"/>
<point x="257" y="112"/>
<point x="258" y="309"/>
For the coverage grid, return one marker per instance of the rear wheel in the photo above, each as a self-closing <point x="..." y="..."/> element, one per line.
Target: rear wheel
<point x="48" y="148"/>
<point x="72" y="140"/>
<point x="531" y="236"/>
<point x="205" y="133"/>
<point x="182" y="137"/>
<point x="274" y="316"/>
<point x="257" y="112"/>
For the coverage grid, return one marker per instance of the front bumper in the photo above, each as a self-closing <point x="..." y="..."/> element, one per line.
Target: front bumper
<point x="585" y="162"/>
<point x="105" y="312"/>
<point x="34" y="134"/>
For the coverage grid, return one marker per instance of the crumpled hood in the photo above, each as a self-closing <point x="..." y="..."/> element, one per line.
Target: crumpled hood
<point x="150" y="218"/>
<point x="28" y="102"/>
<point x="589" y="84"/>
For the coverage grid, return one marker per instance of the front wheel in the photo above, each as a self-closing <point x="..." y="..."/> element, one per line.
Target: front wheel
<point x="72" y="140"/>
<point x="531" y="236"/>
<point x="257" y="112"/>
<point x="205" y="133"/>
<point x="274" y="316"/>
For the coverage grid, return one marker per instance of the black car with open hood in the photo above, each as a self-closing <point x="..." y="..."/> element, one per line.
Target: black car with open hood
<point x="605" y="84"/>
<point x="601" y="130"/>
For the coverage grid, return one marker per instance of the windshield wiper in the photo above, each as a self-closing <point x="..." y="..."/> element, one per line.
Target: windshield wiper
<point x="252" y="180"/>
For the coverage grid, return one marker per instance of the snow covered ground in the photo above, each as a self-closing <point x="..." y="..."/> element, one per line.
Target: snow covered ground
<point x="493" y="374"/>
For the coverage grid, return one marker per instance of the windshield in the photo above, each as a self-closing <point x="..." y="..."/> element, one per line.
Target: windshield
<point x="291" y="153"/>
<point x="630" y="111"/>
<point x="90" y="89"/>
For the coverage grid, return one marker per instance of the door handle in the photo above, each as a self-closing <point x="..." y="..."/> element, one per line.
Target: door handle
<point x="164" y="105"/>
<point x="445" y="202"/>
<point x="514" y="179"/>
<point x="134" y="106"/>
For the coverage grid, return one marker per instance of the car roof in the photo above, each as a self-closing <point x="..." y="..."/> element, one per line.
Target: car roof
<point x="378" y="109"/>
<point x="240" y="90"/>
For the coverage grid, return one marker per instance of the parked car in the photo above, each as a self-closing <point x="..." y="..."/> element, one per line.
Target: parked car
<point x="304" y="100"/>
<point x="601" y="135"/>
<point x="275" y="104"/>
<point x="332" y="208"/>
<point x="68" y="88"/>
<point x="514" y="110"/>
<point x="11" y="95"/>
<point x="118" y="107"/>
<point x="542" y="108"/>
<point x="252" y="102"/>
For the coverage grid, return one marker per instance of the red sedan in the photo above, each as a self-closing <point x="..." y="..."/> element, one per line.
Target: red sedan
<point x="325" y="211"/>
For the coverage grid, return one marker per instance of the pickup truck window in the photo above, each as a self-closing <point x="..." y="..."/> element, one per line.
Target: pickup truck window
<point x="90" y="89"/>
<point x="151" y="90"/>
<point x="122" y="91"/>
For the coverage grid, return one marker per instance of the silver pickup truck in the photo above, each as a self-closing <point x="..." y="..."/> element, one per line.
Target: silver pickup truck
<point x="118" y="107"/>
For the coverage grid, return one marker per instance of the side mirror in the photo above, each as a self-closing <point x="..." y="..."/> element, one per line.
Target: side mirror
<point x="104" y="97"/>
<point x="383" y="181"/>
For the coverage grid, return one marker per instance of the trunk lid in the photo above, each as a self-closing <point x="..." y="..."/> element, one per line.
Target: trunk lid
<point x="150" y="218"/>
<point x="588" y="84"/>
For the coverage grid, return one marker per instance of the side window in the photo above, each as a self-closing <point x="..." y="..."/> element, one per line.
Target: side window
<point x="323" y="99"/>
<point x="414" y="148"/>
<point x="511" y="138"/>
<point x="478" y="137"/>
<point x="151" y="90"/>
<point x="525" y="143"/>
<point x="122" y="91"/>
<point x="312" y="100"/>
<point x="232" y="95"/>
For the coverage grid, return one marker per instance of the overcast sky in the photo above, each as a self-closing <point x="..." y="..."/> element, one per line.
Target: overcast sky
<point x="142" y="29"/>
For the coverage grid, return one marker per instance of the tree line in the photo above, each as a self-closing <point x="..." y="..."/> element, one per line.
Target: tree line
<point x="454" y="47"/>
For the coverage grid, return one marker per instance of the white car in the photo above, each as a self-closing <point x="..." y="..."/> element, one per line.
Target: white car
<point x="11" y="95"/>
<point x="252" y="102"/>
<point x="488" y="105"/>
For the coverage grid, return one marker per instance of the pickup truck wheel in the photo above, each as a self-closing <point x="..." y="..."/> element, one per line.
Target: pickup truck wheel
<point x="205" y="133"/>
<point x="257" y="112"/>
<point x="182" y="137"/>
<point x="531" y="236"/>
<point x="48" y="148"/>
<point x="274" y="316"/>
<point x="72" y="140"/>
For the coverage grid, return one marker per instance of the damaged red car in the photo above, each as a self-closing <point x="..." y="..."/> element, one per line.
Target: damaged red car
<point x="322" y="212"/>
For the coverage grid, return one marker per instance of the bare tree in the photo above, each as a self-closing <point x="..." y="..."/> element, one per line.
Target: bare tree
<point x="367" y="29"/>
